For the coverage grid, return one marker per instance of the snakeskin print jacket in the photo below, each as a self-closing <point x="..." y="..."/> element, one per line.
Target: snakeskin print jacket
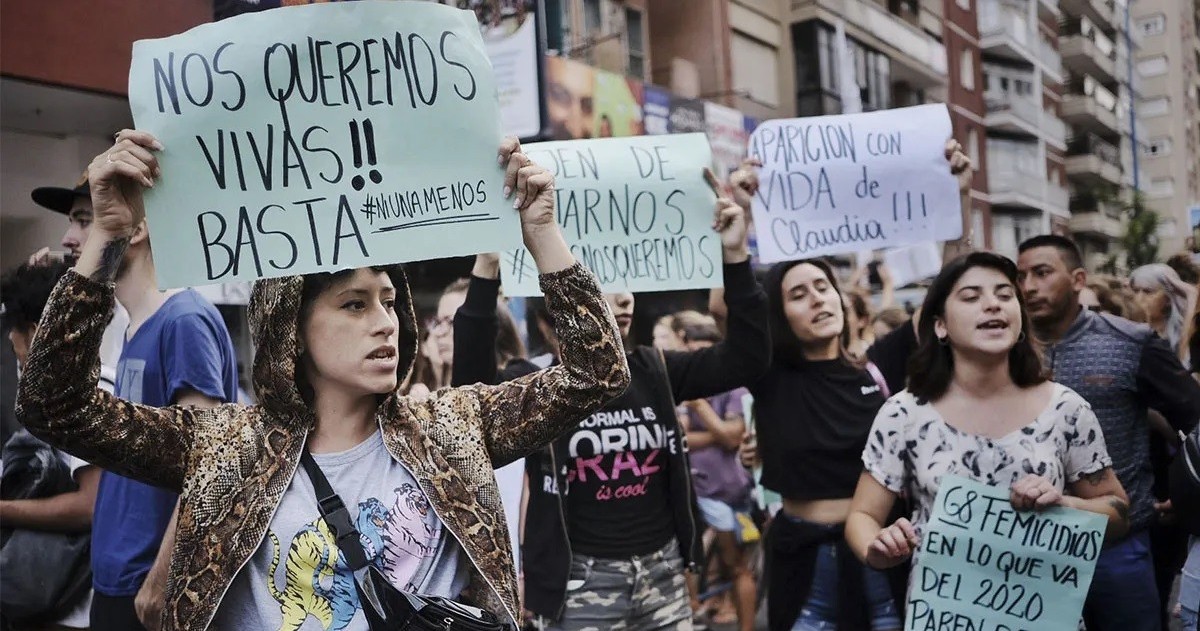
<point x="232" y="464"/>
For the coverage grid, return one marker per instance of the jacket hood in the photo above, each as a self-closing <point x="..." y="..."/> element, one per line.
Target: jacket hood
<point x="274" y="314"/>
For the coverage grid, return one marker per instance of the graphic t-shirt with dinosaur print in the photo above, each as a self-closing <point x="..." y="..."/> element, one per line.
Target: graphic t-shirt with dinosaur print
<point x="298" y="580"/>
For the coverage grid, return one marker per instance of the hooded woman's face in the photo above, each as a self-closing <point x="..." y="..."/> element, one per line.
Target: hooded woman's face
<point x="812" y="306"/>
<point x="350" y="336"/>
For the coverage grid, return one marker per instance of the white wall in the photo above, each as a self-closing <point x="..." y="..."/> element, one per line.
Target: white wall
<point x="31" y="160"/>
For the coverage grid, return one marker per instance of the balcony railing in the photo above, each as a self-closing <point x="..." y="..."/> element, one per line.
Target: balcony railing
<point x="1090" y="86"/>
<point x="1094" y="145"/>
<point x="1088" y="203"/>
<point x="1050" y="57"/>
<point x="1023" y="108"/>
<point x="1087" y="29"/>
<point x="997" y="17"/>
<point x="1030" y="112"/>
<point x="1054" y="128"/>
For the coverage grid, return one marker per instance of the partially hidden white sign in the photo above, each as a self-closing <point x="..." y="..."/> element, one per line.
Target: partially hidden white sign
<point x="840" y="184"/>
<point x="635" y="211"/>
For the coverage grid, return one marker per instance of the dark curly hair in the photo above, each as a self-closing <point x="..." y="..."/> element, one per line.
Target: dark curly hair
<point x="25" y="290"/>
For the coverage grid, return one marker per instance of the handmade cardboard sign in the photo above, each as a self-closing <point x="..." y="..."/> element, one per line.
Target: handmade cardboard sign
<point x="636" y="211"/>
<point x="986" y="566"/>
<point x="839" y="184"/>
<point x="321" y="137"/>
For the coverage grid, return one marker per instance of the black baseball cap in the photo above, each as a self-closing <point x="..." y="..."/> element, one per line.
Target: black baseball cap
<point x="60" y="199"/>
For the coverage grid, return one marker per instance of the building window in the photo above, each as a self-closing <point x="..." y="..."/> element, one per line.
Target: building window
<point x="1157" y="147"/>
<point x="1154" y="107"/>
<point x="558" y="24"/>
<point x="755" y="69"/>
<point x="1161" y="187"/>
<point x="966" y="70"/>
<point x="817" y="81"/>
<point x="1153" y="25"/>
<point x="1152" y="66"/>
<point x="593" y="21"/>
<point x="635" y="42"/>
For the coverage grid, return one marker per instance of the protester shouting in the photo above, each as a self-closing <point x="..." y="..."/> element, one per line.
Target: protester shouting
<point x="1037" y="438"/>
<point x="889" y="353"/>
<point x="611" y="520"/>
<point x="1121" y="369"/>
<point x="813" y="411"/>
<point x="332" y="349"/>
<point x="812" y="414"/>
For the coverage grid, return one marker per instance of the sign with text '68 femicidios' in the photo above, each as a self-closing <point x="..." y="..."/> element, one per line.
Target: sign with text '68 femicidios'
<point x="321" y="137"/>
<point x="986" y="566"/>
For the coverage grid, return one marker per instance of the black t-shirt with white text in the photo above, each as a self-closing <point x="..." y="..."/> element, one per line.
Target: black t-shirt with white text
<point x="618" y="476"/>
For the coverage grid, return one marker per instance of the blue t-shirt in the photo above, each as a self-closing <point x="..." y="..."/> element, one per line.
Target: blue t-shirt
<point x="183" y="346"/>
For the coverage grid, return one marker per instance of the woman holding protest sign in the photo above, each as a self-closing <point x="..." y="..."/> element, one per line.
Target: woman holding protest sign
<point x="1037" y="438"/>
<point x="611" y="521"/>
<point x="813" y="410"/>
<point x="409" y="500"/>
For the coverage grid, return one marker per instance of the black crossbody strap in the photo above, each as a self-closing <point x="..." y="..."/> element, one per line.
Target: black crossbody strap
<point x="335" y="514"/>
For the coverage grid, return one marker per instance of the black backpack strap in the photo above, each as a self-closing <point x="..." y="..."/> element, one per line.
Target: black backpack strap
<point x="335" y="514"/>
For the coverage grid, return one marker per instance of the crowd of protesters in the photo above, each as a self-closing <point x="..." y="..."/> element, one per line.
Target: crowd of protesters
<point x="782" y="450"/>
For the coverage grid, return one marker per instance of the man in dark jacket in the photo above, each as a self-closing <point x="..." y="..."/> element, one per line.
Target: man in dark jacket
<point x="611" y="523"/>
<point x="1122" y="369"/>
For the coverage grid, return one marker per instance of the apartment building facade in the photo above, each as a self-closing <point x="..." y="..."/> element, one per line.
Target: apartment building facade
<point x="1166" y="70"/>
<point x="903" y="52"/>
<point x="729" y="52"/>
<point x="1096" y="102"/>
<point x="1022" y="75"/>
<point x="968" y="109"/>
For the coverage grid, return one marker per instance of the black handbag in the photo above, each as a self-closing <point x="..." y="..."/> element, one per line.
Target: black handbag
<point x="385" y="607"/>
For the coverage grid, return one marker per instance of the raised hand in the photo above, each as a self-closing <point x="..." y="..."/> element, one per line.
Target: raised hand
<point x="116" y="178"/>
<point x="960" y="165"/>
<point x="744" y="182"/>
<point x="532" y="189"/>
<point x="530" y="186"/>
<point x="487" y="265"/>
<point x="729" y="220"/>
<point x="893" y="545"/>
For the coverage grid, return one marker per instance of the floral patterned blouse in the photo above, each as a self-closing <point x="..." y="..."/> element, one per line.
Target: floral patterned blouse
<point x="911" y="447"/>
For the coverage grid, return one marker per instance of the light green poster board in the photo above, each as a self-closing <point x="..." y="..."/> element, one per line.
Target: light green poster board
<point x="635" y="211"/>
<point x="984" y="565"/>
<point x="321" y="137"/>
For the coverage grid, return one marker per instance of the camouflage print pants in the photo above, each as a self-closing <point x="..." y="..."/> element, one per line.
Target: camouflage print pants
<point x="646" y="593"/>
